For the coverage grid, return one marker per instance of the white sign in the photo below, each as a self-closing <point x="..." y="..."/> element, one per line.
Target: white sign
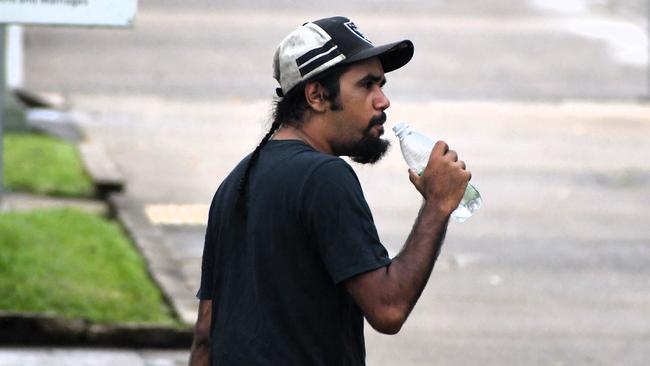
<point x="69" y="12"/>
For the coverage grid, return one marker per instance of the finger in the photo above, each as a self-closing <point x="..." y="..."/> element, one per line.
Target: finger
<point x="461" y="164"/>
<point x="440" y="148"/>
<point x="452" y="154"/>
<point x="413" y="177"/>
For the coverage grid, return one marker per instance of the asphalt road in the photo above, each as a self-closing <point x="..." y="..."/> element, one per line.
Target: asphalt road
<point x="499" y="50"/>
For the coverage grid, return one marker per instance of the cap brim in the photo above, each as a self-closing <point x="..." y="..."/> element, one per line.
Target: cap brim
<point x="392" y="55"/>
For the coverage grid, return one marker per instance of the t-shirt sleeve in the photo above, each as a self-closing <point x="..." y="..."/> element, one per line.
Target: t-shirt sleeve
<point x="207" y="262"/>
<point x="339" y="219"/>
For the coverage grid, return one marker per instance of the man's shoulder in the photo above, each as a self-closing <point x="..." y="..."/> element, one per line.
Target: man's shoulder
<point x="320" y="166"/>
<point x="333" y="175"/>
<point x="297" y="155"/>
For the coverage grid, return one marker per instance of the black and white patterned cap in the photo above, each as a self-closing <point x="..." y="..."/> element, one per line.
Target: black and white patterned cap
<point x="317" y="46"/>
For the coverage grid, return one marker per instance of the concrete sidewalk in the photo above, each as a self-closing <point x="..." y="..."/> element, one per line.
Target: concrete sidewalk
<point x="90" y="357"/>
<point x="553" y="270"/>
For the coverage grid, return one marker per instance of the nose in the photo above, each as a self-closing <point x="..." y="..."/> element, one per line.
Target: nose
<point x="381" y="101"/>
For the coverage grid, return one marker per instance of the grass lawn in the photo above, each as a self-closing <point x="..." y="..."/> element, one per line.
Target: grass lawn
<point x="44" y="165"/>
<point x="75" y="264"/>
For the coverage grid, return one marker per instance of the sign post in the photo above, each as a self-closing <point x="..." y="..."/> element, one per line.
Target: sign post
<point x="79" y="13"/>
<point x="3" y="91"/>
<point x="15" y="52"/>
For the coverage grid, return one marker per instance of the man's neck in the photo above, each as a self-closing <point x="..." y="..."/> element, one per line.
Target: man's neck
<point x="286" y="132"/>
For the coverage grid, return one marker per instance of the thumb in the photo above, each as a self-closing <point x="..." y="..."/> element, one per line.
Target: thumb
<point x="413" y="176"/>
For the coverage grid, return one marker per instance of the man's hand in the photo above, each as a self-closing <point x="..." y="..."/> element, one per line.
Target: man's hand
<point x="200" y="352"/>
<point x="444" y="179"/>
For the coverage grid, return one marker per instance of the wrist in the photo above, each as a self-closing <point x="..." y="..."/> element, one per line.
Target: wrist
<point x="436" y="210"/>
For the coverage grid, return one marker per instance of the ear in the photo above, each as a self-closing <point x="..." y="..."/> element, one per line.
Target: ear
<point x="315" y="97"/>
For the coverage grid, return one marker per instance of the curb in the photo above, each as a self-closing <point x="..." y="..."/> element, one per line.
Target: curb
<point x="50" y="330"/>
<point x="20" y="201"/>
<point x="163" y="267"/>
<point x="105" y="175"/>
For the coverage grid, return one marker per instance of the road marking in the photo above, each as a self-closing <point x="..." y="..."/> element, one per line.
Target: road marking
<point x="569" y="7"/>
<point x="177" y="214"/>
<point x="627" y="42"/>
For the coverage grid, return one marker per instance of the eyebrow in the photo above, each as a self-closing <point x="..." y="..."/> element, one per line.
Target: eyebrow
<point x="373" y="78"/>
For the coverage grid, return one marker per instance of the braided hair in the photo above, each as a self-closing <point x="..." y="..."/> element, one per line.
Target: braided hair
<point x="256" y="153"/>
<point x="290" y="109"/>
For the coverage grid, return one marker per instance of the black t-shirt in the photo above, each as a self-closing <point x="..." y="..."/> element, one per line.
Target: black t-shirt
<point x="274" y="275"/>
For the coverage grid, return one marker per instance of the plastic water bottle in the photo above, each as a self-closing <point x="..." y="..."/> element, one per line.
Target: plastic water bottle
<point x="416" y="149"/>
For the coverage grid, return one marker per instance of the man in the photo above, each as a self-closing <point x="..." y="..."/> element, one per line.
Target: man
<point x="292" y="261"/>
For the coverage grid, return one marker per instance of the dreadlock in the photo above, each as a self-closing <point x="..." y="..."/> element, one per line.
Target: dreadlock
<point x="290" y="109"/>
<point x="256" y="153"/>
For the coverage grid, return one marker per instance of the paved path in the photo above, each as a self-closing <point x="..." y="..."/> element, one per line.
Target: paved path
<point x="89" y="357"/>
<point x="492" y="49"/>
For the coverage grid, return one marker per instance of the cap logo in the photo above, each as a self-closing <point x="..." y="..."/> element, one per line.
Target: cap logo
<point x="353" y="28"/>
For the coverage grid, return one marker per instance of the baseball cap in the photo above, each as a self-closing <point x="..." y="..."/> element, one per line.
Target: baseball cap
<point x="321" y="44"/>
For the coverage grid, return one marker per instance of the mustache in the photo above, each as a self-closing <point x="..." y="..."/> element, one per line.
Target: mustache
<point x="377" y="120"/>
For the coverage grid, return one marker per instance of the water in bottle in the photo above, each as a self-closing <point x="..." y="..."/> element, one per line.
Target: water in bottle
<point x="416" y="149"/>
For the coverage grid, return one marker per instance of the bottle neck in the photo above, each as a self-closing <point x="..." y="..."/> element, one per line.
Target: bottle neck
<point x="401" y="130"/>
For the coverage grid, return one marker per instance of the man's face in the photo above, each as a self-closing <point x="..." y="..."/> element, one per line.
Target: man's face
<point x="358" y="125"/>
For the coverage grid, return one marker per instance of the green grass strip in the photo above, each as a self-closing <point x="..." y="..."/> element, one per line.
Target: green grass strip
<point x="77" y="265"/>
<point x="44" y="165"/>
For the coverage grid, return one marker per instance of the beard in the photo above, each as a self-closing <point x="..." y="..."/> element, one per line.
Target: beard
<point x="370" y="149"/>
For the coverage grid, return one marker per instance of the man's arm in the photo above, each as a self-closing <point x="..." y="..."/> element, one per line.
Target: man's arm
<point x="200" y="353"/>
<point x="387" y="295"/>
